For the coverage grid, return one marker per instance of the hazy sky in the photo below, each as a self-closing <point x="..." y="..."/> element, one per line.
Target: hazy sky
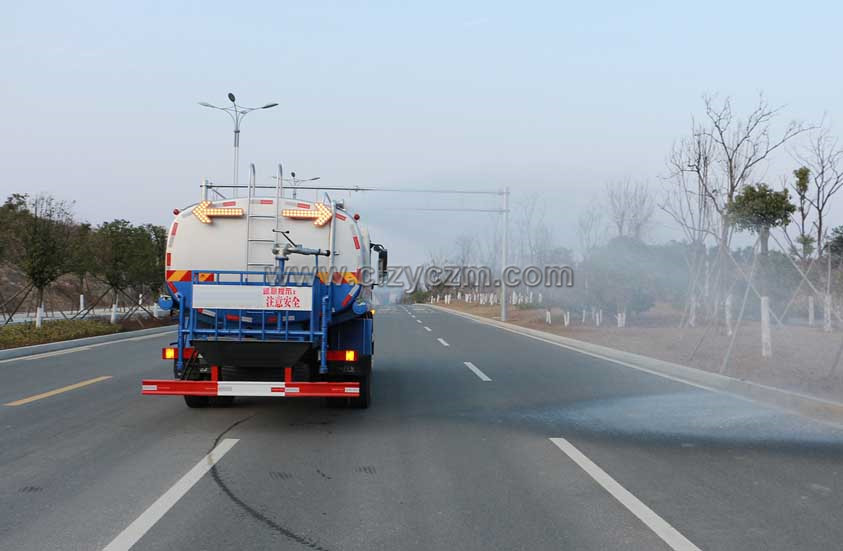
<point x="552" y="98"/>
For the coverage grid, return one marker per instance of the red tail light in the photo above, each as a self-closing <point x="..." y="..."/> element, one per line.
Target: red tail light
<point x="171" y="353"/>
<point x="342" y="356"/>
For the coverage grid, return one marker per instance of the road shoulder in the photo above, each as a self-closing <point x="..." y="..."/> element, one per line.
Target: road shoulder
<point x="819" y="409"/>
<point x="23" y="351"/>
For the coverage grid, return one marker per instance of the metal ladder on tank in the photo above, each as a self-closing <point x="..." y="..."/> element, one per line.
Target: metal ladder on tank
<point x="253" y="240"/>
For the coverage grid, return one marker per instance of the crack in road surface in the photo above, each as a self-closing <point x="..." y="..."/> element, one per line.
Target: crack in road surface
<point x="251" y="511"/>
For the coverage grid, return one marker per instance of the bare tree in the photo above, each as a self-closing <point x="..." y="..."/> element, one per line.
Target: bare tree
<point x="465" y="249"/>
<point x="690" y="173"/>
<point x="631" y="207"/>
<point x="741" y="147"/>
<point x="533" y="231"/>
<point x="824" y="158"/>
<point x="591" y="227"/>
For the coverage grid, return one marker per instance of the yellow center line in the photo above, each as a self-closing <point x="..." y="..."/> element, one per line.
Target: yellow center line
<point x="67" y="388"/>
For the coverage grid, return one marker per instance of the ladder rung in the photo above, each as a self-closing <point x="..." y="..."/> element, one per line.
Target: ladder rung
<point x="263" y="216"/>
<point x="261" y="241"/>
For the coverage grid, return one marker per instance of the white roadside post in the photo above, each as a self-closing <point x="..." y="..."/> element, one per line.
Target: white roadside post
<point x="811" y="310"/>
<point x="827" y="324"/>
<point x="766" y="343"/>
<point x="114" y="311"/>
<point x="827" y="312"/>
<point x="728" y="312"/>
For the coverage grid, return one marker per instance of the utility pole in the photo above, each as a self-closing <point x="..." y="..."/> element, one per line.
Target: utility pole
<point x="504" y="252"/>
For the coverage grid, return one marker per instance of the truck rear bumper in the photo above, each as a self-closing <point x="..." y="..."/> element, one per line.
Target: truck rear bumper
<point x="280" y="389"/>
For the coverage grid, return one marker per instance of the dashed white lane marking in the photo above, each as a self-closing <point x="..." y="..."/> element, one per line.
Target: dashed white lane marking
<point x="476" y="370"/>
<point x="418" y="321"/>
<point x="657" y="524"/>
<point x="135" y="531"/>
<point x="426" y="328"/>
<point x="442" y="341"/>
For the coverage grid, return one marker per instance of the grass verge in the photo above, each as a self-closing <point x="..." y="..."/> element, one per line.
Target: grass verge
<point x="26" y="334"/>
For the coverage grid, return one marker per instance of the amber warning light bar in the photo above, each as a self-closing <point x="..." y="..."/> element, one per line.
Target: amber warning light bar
<point x="204" y="211"/>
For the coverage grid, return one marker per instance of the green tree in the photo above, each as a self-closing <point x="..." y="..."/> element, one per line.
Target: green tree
<point x="130" y="257"/>
<point x="805" y="241"/>
<point x="42" y="233"/>
<point x="758" y="208"/>
<point x="115" y="254"/>
<point x="81" y="260"/>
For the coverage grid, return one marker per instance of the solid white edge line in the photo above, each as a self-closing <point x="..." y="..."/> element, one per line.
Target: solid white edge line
<point x="654" y="522"/>
<point x="476" y="370"/>
<point x="442" y="341"/>
<point x="515" y="331"/>
<point x="135" y="531"/>
<point x="82" y="347"/>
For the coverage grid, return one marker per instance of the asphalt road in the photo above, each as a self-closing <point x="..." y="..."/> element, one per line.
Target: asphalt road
<point x="449" y="456"/>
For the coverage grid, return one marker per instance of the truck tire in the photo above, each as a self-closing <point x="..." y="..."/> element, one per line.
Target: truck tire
<point x="197" y="401"/>
<point x="365" y="398"/>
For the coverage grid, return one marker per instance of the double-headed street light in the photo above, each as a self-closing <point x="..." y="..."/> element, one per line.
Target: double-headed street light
<point x="237" y="113"/>
<point x="296" y="181"/>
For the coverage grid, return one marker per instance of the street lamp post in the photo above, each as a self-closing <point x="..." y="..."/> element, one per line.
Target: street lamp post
<point x="295" y="181"/>
<point x="237" y="114"/>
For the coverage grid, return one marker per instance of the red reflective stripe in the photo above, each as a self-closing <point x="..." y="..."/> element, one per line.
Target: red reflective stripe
<point x="174" y="228"/>
<point x="168" y="258"/>
<point x="232" y="317"/>
<point x="303" y="206"/>
<point x="266" y="201"/>
<point x="178" y="387"/>
<point x="210" y="388"/>
<point x="340" y="216"/>
<point x="356" y="242"/>
<point x="229" y="203"/>
<point x="346" y="300"/>
<point x="172" y="287"/>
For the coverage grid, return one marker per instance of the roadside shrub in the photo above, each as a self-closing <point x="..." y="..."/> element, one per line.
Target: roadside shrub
<point x="25" y="334"/>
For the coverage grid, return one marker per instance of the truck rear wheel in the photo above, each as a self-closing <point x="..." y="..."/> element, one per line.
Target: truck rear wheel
<point x="197" y="401"/>
<point x="222" y="401"/>
<point x="365" y="398"/>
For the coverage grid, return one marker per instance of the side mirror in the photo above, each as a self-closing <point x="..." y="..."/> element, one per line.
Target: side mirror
<point x="382" y="261"/>
<point x="382" y="265"/>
